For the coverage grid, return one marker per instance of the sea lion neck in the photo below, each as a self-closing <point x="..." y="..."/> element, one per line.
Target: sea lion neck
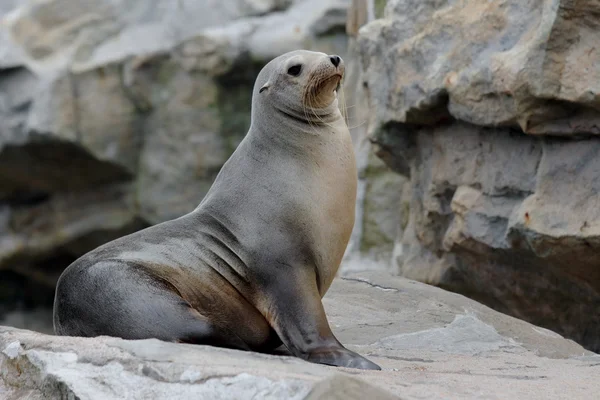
<point x="281" y="118"/>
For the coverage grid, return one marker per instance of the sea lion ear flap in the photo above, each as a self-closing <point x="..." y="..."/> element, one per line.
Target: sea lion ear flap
<point x="265" y="87"/>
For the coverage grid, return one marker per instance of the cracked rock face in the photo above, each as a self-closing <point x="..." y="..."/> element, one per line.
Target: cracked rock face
<point x="429" y="342"/>
<point x="467" y="101"/>
<point x="531" y="64"/>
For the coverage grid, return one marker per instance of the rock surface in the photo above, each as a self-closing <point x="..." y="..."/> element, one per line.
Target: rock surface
<point x="380" y="196"/>
<point x="430" y="343"/>
<point x="467" y="100"/>
<point x="531" y="64"/>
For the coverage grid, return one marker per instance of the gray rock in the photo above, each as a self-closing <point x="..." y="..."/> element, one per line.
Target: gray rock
<point x="529" y="64"/>
<point x="382" y="212"/>
<point x="379" y="195"/>
<point x="196" y="123"/>
<point x="94" y="111"/>
<point x="83" y="35"/>
<point x="10" y="54"/>
<point x="492" y="218"/>
<point x="38" y="320"/>
<point x="97" y="33"/>
<point x="75" y="223"/>
<point x="430" y="344"/>
<point x="310" y="24"/>
<point x="466" y="98"/>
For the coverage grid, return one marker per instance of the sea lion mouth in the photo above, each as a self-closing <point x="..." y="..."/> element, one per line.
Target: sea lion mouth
<point x="318" y="94"/>
<point x="339" y="82"/>
<point x="332" y="79"/>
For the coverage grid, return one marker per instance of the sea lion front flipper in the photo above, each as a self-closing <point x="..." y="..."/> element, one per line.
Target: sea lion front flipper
<point x="298" y="317"/>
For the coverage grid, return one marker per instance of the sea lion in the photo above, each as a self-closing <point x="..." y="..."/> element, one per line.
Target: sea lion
<point x="247" y="269"/>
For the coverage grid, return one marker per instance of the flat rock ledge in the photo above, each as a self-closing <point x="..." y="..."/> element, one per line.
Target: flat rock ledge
<point x="431" y="344"/>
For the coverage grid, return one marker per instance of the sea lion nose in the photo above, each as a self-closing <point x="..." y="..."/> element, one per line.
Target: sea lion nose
<point x="335" y="60"/>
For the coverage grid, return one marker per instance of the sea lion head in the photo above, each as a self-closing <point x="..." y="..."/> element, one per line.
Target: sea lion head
<point x="302" y="84"/>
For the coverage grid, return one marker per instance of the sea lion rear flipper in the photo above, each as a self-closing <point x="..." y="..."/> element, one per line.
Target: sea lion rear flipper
<point x="298" y="317"/>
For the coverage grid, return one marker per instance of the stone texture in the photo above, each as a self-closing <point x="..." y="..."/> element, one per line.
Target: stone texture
<point x="63" y="34"/>
<point x="382" y="212"/>
<point x="380" y="194"/>
<point x="467" y="100"/>
<point x="531" y="64"/>
<point x="430" y="343"/>
<point x="10" y="54"/>
<point x="62" y="220"/>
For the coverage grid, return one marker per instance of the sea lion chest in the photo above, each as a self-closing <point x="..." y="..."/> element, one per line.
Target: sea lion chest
<point x="288" y="202"/>
<point x="332" y="182"/>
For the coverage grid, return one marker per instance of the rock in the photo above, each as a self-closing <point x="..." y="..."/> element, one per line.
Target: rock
<point x="492" y="217"/>
<point x="429" y="342"/>
<point x="93" y="111"/>
<point x="54" y="192"/>
<point x="340" y="387"/>
<point x="106" y="102"/>
<point x="312" y="24"/>
<point x="17" y="90"/>
<point x="467" y="99"/>
<point x="67" y="222"/>
<point x="95" y="33"/>
<point x="378" y="209"/>
<point x="10" y="54"/>
<point x="196" y="123"/>
<point x="382" y="213"/>
<point x="12" y="350"/>
<point x="36" y="319"/>
<point x="359" y="13"/>
<point x="528" y="64"/>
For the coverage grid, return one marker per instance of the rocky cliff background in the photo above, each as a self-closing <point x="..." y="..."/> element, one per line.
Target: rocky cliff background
<point x="475" y="126"/>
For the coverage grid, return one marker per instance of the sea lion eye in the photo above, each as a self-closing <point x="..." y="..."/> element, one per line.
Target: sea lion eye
<point x="295" y="70"/>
